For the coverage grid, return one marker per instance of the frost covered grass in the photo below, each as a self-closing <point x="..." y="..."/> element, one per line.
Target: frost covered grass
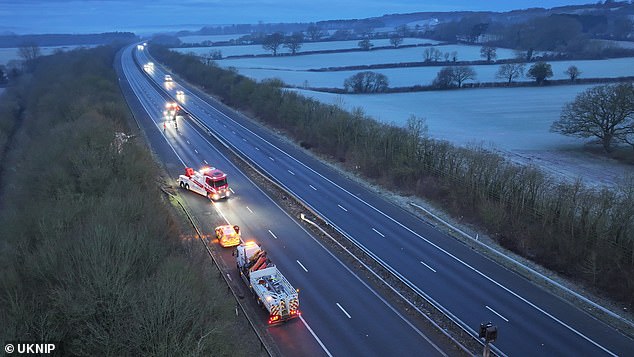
<point x="507" y="118"/>
<point x="405" y="77"/>
<point x="325" y="60"/>
<point x="308" y="46"/>
<point x="11" y="53"/>
<point x="212" y="38"/>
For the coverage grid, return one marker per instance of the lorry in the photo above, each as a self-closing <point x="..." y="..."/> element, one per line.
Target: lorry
<point x="208" y="181"/>
<point x="270" y="288"/>
<point x="228" y="235"/>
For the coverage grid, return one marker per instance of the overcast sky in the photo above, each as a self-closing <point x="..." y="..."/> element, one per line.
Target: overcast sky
<point x="142" y="16"/>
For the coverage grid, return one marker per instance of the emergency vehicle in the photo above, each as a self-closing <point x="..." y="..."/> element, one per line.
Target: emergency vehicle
<point x="208" y="181"/>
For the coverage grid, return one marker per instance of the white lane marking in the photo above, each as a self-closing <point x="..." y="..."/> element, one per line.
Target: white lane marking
<point x="430" y="268"/>
<point x="315" y="336"/>
<point x="379" y="233"/>
<point x="302" y="265"/>
<point x="249" y="209"/>
<point x="257" y="148"/>
<point x="206" y="163"/>
<point x="219" y="211"/>
<point x="188" y="142"/>
<point x="291" y="172"/>
<point x="245" y="140"/>
<point x="129" y="79"/>
<point x="233" y="132"/>
<point x="196" y="151"/>
<point x="230" y="189"/>
<point x="344" y="311"/>
<point x="229" y="277"/>
<point x="419" y="236"/>
<point x="340" y="206"/>
<point x="335" y="258"/>
<point x="273" y="234"/>
<point x="272" y="159"/>
<point x="546" y="313"/>
<point x="313" y="187"/>
<point x="495" y="312"/>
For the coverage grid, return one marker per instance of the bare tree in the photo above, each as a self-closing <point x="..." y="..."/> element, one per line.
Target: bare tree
<point x="211" y="56"/>
<point x="29" y="52"/>
<point x="273" y="42"/>
<point x="294" y="42"/>
<point x="396" y="39"/>
<point x="488" y="52"/>
<point x="314" y="32"/>
<point x="428" y="54"/>
<point x="605" y="112"/>
<point x="573" y="72"/>
<point x="444" y="78"/>
<point x="365" y="44"/>
<point x="510" y="71"/>
<point x="366" y="82"/>
<point x="437" y="55"/>
<point x="463" y="73"/>
<point x="403" y="30"/>
<point x="432" y="53"/>
<point x="453" y="76"/>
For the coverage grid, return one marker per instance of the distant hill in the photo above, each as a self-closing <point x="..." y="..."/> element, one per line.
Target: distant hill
<point x="8" y="41"/>
<point x="425" y="22"/>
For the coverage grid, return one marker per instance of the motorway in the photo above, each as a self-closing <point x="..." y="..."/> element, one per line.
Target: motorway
<point x="469" y="286"/>
<point x="341" y="314"/>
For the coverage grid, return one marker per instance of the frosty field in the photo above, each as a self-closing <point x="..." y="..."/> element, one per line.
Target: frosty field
<point x="381" y="56"/>
<point x="403" y="77"/>
<point x="508" y="118"/>
<point x="9" y="54"/>
<point x="514" y="121"/>
<point x="212" y="38"/>
<point x="309" y="46"/>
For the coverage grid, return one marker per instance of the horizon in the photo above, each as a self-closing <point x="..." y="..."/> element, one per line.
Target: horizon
<point x="146" y="17"/>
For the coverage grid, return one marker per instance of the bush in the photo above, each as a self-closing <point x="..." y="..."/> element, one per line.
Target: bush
<point x="89" y="254"/>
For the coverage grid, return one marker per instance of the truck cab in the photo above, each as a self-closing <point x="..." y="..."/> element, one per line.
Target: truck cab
<point x="208" y="181"/>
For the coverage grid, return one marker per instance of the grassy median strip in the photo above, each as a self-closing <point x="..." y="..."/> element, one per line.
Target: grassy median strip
<point x="91" y="254"/>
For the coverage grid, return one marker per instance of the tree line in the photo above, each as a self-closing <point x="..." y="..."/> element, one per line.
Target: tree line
<point x="90" y="254"/>
<point x="586" y="234"/>
<point x="455" y="77"/>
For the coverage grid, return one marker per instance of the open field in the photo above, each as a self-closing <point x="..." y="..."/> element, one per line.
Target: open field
<point x="309" y="46"/>
<point x="9" y="54"/>
<point x="509" y="119"/>
<point x="212" y="38"/>
<point x="514" y="121"/>
<point x="404" y="77"/>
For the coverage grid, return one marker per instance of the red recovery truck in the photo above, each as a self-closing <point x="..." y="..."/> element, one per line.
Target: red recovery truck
<point x="208" y="181"/>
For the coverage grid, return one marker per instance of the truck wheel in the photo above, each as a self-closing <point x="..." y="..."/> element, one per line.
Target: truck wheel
<point x="181" y="184"/>
<point x="187" y="186"/>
